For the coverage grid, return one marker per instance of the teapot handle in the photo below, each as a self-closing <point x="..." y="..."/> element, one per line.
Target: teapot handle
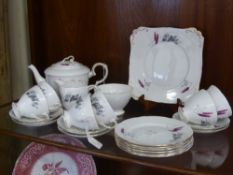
<point x="93" y="73"/>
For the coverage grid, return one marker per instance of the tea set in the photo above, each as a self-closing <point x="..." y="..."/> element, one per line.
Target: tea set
<point x="65" y="94"/>
<point x="171" y="70"/>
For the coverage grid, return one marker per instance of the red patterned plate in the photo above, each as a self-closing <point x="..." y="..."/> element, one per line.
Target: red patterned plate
<point x="40" y="159"/>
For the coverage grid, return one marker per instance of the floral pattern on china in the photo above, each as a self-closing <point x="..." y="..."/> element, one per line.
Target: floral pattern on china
<point x="48" y="160"/>
<point x="165" y="63"/>
<point x="54" y="168"/>
<point x="77" y="98"/>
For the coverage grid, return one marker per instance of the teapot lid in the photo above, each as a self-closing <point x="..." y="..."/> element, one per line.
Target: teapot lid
<point x="67" y="67"/>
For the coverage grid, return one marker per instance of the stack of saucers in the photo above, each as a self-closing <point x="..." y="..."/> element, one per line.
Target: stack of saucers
<point x="153" y="136"/>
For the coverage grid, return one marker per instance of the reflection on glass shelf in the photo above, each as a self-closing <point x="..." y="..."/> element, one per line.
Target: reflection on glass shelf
<point x="210" y="150"/>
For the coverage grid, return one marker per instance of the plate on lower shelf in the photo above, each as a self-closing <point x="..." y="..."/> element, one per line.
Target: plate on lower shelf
<point x="35" y="122"/>
<point x="219" y="126"/>
<point x="165" y="63"/>
<point x="80" y="133"/>
<point x="48" y="160"/>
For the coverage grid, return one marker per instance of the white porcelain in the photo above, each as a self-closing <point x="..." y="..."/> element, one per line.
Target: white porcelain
<point x="103" y="111"/>
<point x="118" y="95"/>
<point x="52" y="98"/>
<point x="199" y="109"/>
<point x="81" y="116"/>
<point x="72" y="73"/>
<point x="80" y="133"/>
<point x="35" y="122"/>
<point x="32" y="104"/>
<point x="154" y="151"/>
<point x="165" y="63"/>
<point x="220" y="125"/>
<point x="73" y="95"/>
<point x="222" y="105"/>
<point x="153" y="131"/>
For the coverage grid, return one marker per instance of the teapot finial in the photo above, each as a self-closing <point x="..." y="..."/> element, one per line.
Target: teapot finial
<point x="69" y="59"/>
<point x="36" y="74"/>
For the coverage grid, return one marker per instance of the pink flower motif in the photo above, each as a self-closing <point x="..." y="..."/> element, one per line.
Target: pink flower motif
<point x="185" y="90"/>
<point x="205" y="114"/>
<point x="176" y="129"/>
<point x="221" y="112"/>
<point x="156" y="38"/>
<point x="47" y="166"/>
<point x="140" y="83"/>
<point x="51" y="169"/>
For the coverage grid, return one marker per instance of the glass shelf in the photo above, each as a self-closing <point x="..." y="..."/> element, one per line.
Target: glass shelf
<point x="210" y="153"/>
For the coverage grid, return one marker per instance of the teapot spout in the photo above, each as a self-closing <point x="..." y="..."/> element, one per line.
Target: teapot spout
<point x="36" y="74"/>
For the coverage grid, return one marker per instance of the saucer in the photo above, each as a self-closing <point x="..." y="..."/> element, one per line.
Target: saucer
<point x="221" y="124"/>
<point x="45" y="159"/>
<point x="80" y="133"/>
<point x="35" y="122"/>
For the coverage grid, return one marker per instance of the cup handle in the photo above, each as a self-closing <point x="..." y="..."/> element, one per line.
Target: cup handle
<point x="93" y="73"/>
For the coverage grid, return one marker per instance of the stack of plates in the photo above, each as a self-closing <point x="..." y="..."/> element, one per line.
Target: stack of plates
<point x="221" y="124"/>
<point x="153" y="136"/>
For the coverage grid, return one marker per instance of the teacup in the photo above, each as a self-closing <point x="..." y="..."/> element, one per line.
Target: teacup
<point x="51" y="96"/>
<point x="32" y="104"/>
<point x="222" y="105"/>
<point x="81" y="115"/>
<point x="199" y="109"/>
<point x="118" y="95"/>
<point x="71" y="96"/>
<point x="102" y="109"/>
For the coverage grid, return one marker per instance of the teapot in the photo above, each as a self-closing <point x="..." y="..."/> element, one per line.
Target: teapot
<point x="72" y="73"/>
